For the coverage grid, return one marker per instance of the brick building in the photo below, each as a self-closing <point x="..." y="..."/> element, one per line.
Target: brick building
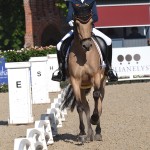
<point x="44" y="23"/>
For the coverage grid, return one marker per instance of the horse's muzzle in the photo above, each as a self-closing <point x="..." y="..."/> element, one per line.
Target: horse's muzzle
<point x="86" y="44"/>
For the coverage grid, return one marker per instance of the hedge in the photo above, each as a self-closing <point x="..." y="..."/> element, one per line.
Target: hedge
<point x="25" y="53"/>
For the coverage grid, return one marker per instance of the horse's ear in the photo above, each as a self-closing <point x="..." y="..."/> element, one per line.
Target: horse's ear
<point x="75" y="7"/>
<point x="91" y="5"/>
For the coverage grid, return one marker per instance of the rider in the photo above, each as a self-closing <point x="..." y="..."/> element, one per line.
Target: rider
<point x="61" y="76"/>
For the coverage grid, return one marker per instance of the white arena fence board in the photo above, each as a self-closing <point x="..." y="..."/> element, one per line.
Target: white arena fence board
<point x="52" y="63"/>
<point x="38" y="136"/>
<point x="132" y="63"/>
<point x="45" y="124"/>
<point x="24" y="144"/>
<point x="39" y="80"/>
<point x="20" y="105"/>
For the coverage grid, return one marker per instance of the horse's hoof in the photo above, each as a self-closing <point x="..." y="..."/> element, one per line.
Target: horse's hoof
<point x="85" y="138"/>
<point x="94" y="119"/>
<point x="98" y="137"/>
<point x="90" y="138"/>
<point x="82" y="139"/>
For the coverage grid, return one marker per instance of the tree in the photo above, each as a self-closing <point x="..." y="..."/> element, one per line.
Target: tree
<point x="12" y="24"/>
<point x="61" y="4"/>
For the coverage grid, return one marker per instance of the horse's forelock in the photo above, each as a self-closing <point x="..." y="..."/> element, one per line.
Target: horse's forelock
<point x="82" y="11"/>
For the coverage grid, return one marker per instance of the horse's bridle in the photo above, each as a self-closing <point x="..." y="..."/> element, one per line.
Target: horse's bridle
<point x="84" y="19"/>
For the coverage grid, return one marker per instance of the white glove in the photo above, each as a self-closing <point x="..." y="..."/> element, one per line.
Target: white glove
<point x="71" y="23"/>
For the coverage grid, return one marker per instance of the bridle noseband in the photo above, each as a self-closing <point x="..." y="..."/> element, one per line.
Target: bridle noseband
<point x="86" y="39"/>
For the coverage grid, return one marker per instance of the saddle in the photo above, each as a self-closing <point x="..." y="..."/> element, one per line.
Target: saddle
<point x="65" y="45"/>
<point x="100" y="42"/>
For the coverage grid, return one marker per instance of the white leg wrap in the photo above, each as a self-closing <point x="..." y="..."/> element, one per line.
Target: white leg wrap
<point x="103" y="36"/>
<point x="65" y="37"/>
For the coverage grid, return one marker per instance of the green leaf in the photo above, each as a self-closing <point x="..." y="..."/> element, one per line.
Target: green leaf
<point x="6" y="41"/>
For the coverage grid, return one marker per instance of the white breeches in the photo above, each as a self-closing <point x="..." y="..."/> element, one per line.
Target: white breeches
<point x="65" y="37"/>
<point x="95" y="31"/>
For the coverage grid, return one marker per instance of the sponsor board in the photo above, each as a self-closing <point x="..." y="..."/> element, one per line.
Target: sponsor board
<point x="3" y="72"/>
<point x="132" y="63"/>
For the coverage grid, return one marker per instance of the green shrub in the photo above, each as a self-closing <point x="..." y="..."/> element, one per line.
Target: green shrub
<point x="3" y="88"/>
<point x="25" y="53"/>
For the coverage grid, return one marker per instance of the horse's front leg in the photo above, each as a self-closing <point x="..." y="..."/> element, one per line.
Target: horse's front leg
<point x="97" y="107"/>
<point x="81" y="125"/>
<point x="95" y="118"/>
<point x="98" y="136"/>
<point x="82" y="105"/>
<point x="98" y="95"/>
<point x="90" y="136"/>
<point x="98" y="102"/>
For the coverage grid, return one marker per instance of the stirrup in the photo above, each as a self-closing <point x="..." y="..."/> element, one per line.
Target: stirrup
<point x="111" y="76"/>
<point x="59" y="77"/>
<point x="56" y="77"/>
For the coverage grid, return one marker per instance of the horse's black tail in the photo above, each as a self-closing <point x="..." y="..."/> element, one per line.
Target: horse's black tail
<point x="69" y="100"/>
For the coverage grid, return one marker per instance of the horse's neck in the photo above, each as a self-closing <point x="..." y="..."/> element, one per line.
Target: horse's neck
<point x="76" y="38"/>
<point x="76" y="42"/>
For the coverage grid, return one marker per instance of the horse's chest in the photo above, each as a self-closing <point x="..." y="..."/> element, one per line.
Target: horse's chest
<point x="81" y="70"/>
<point x="82" y="64"/>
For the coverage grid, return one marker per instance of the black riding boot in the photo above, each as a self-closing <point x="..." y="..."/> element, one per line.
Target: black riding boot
<point x="111" y="76"/>
<point x="61" y="75"/>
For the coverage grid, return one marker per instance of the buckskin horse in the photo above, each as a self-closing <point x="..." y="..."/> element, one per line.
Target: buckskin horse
<point x="85" y="71"/>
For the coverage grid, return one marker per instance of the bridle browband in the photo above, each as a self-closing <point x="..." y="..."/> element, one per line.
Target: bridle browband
<point x="83" y="18"/>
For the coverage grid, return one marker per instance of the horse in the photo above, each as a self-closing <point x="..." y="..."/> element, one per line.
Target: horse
<point x="85" y="71"/>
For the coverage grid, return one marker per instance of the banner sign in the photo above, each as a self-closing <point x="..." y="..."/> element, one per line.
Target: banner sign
<point x="3" y="72"/>
<point x="132" y="63"/>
